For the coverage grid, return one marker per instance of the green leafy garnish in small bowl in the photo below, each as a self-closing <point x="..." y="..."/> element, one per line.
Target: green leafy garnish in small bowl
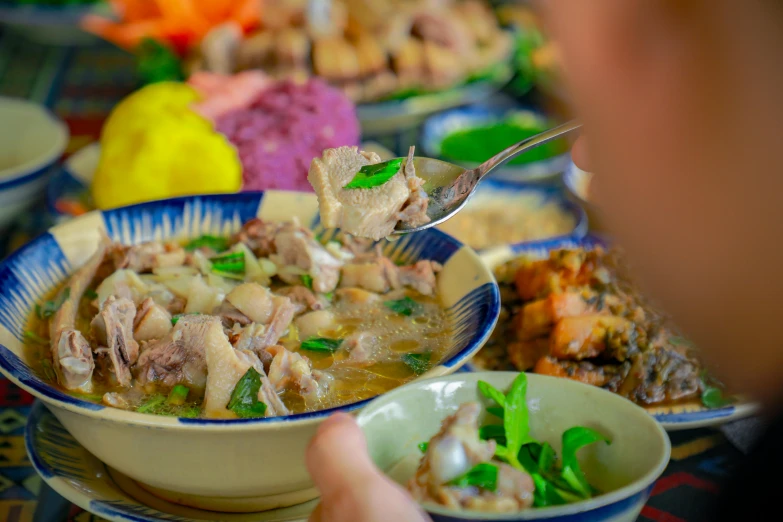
<point x="556" y="481"/>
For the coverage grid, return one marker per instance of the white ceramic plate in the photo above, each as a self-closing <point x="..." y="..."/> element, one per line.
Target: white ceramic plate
<point x="674" y="417"/>
<point x="78" y="476"/>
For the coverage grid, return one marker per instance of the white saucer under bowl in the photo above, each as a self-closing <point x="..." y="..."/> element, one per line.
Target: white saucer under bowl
<point x="81" y="478"/>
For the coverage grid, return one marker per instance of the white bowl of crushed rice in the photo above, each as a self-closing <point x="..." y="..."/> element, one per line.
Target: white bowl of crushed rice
<point x="504" y="214"/>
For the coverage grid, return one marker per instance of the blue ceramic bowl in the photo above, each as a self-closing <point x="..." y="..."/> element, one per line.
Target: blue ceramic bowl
<point x="438" y="127"/>
<point x="157" y="450"/>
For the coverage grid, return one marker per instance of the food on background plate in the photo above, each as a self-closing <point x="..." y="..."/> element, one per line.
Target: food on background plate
<point x="365" y="197"/>
<point x="476" y="144"/>
<point x="217" y="134"/>
<point x="370" y="50"/>
<point x="536" y="57"/>
<point x="154" y="146"/>
<point x="180" y="24"/>
<point x="498" y="467"/>
<point x="491" y="219"/>
<point x="577" y="315"/>
<point x="288" y="124"/>
<point x="268" y="322"/>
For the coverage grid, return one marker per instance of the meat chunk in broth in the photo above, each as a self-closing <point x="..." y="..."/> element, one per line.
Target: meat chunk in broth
<point x="225" y="367"/>
<point x="290" y="370"/>
<point x="303" y="299"/>
<point x="179" y="358"/>
<point x="152" y="321"/>
<point x="145" y="257"/>
<point x="297" y="248"/>
<point x="114" y="327"/>
<point x="71" y="353"/>
<point x="175" y="331"/>
<point x="381" y="275"/>
<point x="252" y="300"/>
<point x="366" y="212"/>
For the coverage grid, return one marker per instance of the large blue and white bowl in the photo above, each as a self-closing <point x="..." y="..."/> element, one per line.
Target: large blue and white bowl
<point x="226" y="465"/>
<point x="31" y="142"/>
<point x="437" y="127"/>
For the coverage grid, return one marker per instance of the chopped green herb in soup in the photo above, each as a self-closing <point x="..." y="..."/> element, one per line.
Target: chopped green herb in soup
<point x="269" y="322"/>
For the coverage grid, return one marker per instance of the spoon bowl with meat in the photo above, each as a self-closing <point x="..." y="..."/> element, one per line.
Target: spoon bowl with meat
<point x="195" y="344"/>
<point x="368" y="198"/>
<point x="507" y="446"/>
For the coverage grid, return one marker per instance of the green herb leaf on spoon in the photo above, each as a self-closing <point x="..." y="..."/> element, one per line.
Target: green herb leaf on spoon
<point x="371" y="176"/>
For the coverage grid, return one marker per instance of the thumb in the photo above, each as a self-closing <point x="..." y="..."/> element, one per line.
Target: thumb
<point x="351" y="487"/>
<point x="337" y="456"/>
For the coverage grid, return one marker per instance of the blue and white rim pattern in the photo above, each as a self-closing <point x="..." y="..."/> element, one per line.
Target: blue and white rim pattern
<point x="437" y="127"/>
<point x="670" y="420"/>
<point x="33" y="271"/>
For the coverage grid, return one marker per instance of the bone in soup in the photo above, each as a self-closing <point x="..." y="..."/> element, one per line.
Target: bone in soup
<point x="267" y="323"/>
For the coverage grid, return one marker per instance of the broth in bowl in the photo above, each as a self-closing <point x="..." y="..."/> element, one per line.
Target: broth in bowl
<point x="267" y="322"/>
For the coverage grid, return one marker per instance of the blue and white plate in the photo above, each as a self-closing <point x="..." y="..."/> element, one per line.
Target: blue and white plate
<point x="673" y="417"/>
<point x="441" y="125"/>
<point x="79" y="477"/>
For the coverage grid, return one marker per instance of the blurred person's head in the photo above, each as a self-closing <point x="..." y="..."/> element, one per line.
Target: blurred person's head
<point x="682" y="104"/>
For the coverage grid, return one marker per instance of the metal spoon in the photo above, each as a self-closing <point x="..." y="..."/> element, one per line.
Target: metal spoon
<point x="450" y="186"/>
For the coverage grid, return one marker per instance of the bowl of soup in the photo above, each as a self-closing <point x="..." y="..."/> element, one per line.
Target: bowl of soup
<point x="195" y="344"/>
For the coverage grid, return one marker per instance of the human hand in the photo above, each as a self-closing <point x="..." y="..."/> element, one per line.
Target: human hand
<point x="351" y="487"/>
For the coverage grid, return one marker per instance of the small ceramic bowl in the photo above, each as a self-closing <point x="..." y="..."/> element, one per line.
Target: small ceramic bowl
<point x="626" y="470"/>
<point x="438" y="127"/>
<point x="241" y="465"/>
<point x="31" y="142"/>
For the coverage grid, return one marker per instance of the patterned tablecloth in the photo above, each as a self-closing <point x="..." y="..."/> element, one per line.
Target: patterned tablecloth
<point x="81" y="85"/>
